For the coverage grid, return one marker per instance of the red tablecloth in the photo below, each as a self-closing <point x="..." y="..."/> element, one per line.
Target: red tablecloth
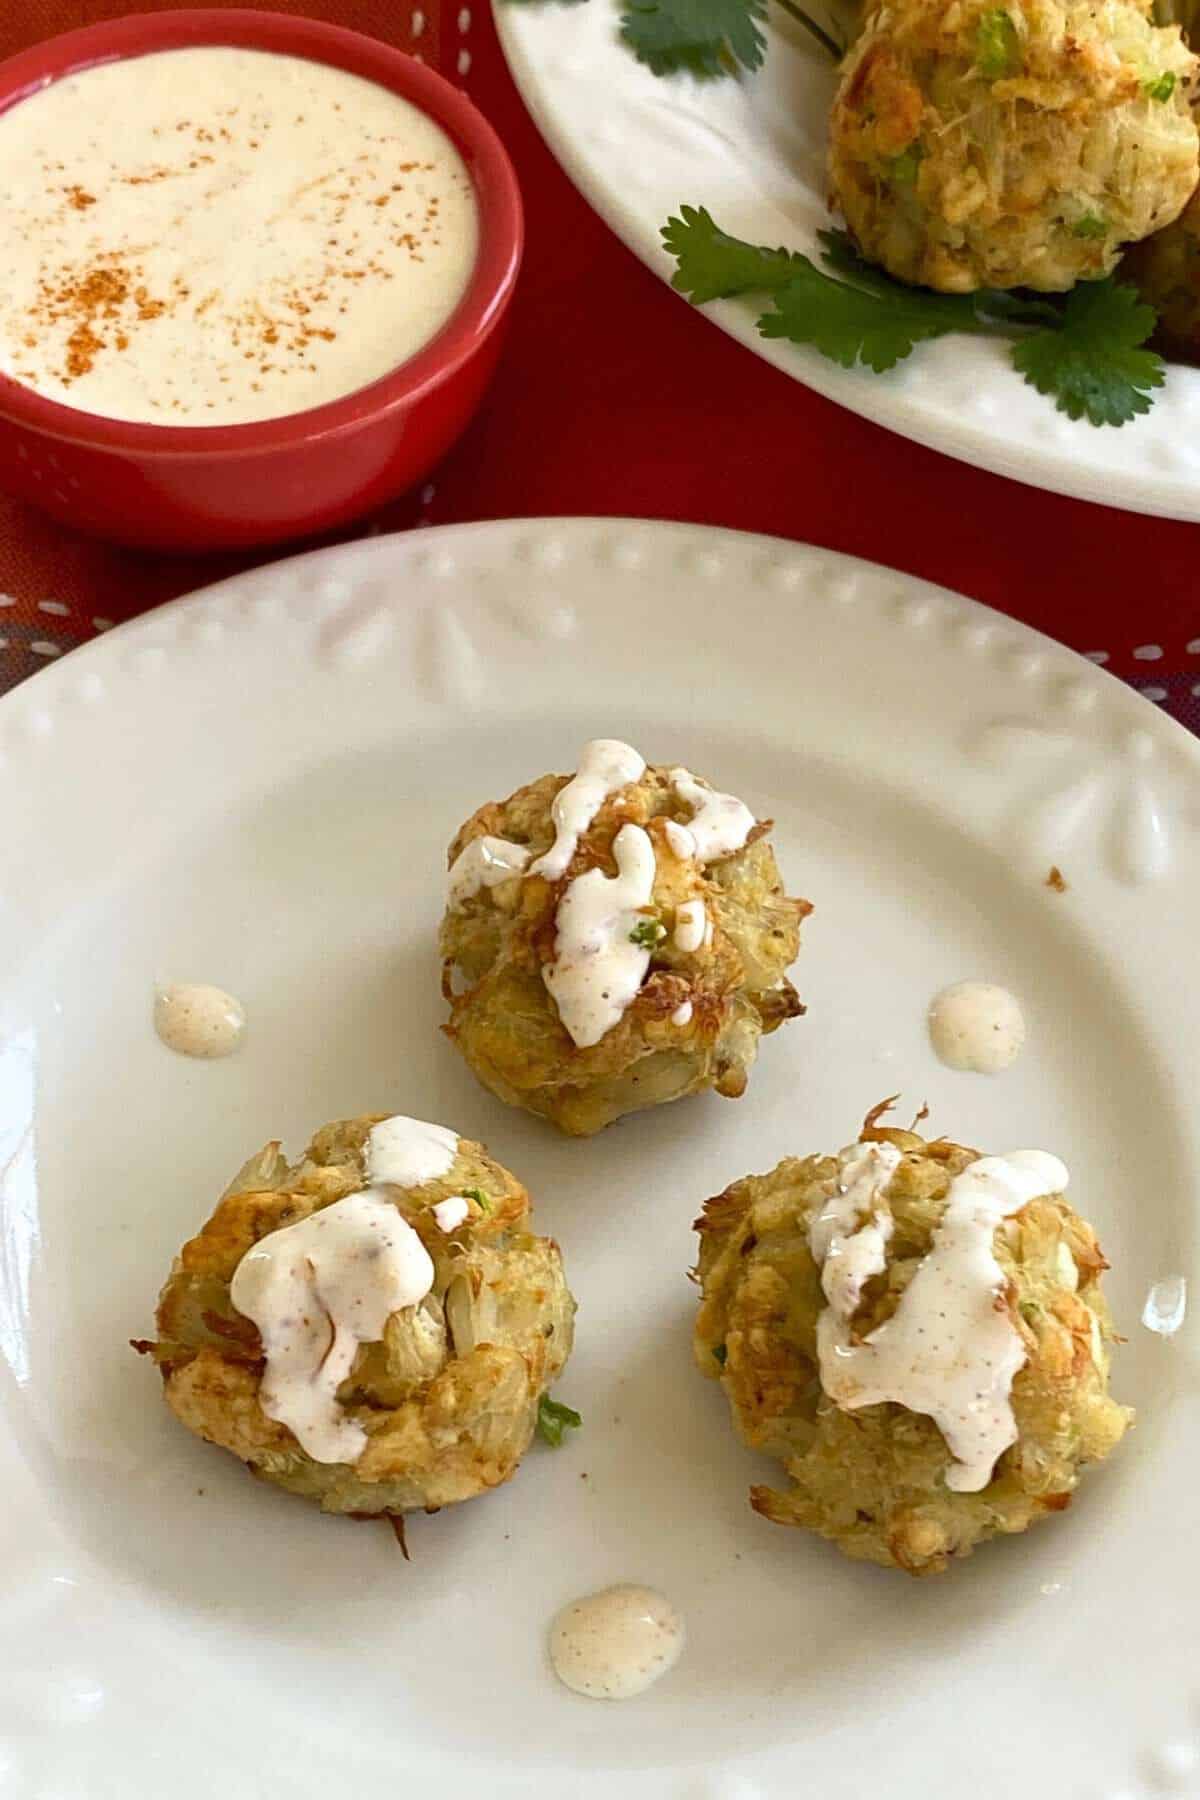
<point x="614" y="397"/>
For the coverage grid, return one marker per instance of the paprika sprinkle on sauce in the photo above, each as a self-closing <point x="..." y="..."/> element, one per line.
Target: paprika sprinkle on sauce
<point x="264" y="234"/>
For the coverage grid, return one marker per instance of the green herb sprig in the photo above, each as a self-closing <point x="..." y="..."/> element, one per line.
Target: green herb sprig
<point x="1084" y="350"/>
<point x="554" y="1419"/>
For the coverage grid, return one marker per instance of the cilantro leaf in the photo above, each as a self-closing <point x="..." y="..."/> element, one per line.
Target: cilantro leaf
<point x="553" y="1419"/>
<point x="1160" y="87"/>
<point x="702" y="36"/>
<point x="1094" y="365"/>
<point x="647" y="933"/>
<point x="997" y="46"/>
<point x="1091" y="225"/>
<point x="713" y="265"/>
<point x="878" y="326"/>
<point x="1083" y="349"/>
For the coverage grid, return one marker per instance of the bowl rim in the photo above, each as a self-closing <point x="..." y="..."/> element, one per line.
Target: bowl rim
<point x="478" y="312"/>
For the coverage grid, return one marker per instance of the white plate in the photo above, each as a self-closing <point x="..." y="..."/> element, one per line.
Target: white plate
<point x="752" y="150"/>
<point x="255" y="787"/>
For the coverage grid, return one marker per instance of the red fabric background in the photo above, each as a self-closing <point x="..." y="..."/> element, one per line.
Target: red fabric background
<point x="614" y="397"/>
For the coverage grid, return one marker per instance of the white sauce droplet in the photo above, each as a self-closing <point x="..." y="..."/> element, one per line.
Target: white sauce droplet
<point x="682" y="1014"/>
<point x="597" y="968"/>
<point x="950" y="1349"/>
<point x="317" y="1290"/>
<point x="407" y="1153"/>
<point x="720" y="824"/>
<point x="680" y="840"/>
<point x="451" y="1213"/>
<point x="484" y="862"/>
<point x="605" y="767"/>
<point x="691" y="923"/>
<point x="198" y="1020"/>
<point x="975" y="1025"/>
<point x="1166" y="1306"/>
<point x="617" y="1643"/>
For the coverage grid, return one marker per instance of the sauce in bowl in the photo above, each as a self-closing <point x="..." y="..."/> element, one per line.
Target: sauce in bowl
<point x="212" y="235"/>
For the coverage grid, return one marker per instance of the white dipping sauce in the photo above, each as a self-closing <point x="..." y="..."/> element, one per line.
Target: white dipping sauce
<point x="598" y="965"/>
<point x="617" y="1643"/>
<point x="198" y="1020"/>
<point x="317" y="1290"/>
<point x="211" y="235"/>
<point x="605" y="767"/>
<point x="978" y="1026"/>
<point x="949" y="1350"/>
<point x="682" y="1015"/>
<point x="484" y="863"/>
<point x="405" y="1152"/>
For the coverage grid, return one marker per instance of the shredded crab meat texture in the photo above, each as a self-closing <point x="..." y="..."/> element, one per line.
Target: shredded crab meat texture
<point x="950" y="1350"/>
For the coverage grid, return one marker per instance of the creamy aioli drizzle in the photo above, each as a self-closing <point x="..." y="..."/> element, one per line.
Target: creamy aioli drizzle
<point x="950" y="1349"/>
<point x="484" y="863"/>
<point x="597" y="968"/>
<point x="316" y="1291"/>
<point x="691" y="921"/>
<point x="605" y="767"/>
<point x="848" y="1247"/>
<point x="680" y="839"/>
<point x="451" y="1213"/>
<point x="720" y="823"/>
<point x="195" y="1019"/>
<point x="978" y="1026"/>
<point x="404" y="1152"/>
<point x="597" y="971"/>
<point x="617" y="1643"/>
<point x="682" y="1014"/>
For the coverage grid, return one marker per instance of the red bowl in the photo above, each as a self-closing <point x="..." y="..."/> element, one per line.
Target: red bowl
<point x="220" y="486"/>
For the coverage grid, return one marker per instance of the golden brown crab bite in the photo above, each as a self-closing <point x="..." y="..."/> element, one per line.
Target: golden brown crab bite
<point x="918" y="1334"/>
<point x="977" y="145"/>
<point x="615" y="939"/>
<point x="373" y="1327"/>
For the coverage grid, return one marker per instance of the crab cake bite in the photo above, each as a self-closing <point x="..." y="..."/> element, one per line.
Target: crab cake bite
<point x="373" y="1327"/>
<point x="917" y="1332"/>
<point x="615" y="939"/>
<point x="975" y="145"/>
